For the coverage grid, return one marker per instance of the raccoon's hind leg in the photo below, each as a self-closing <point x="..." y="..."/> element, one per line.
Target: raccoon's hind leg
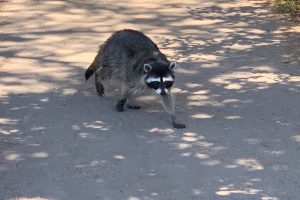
<point x="120" y="105"/>
<point x="98" y="84"/>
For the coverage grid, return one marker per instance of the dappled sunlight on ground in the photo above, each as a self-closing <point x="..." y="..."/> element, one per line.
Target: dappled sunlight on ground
<point x="237" y="88"/>
<point x="31" y="198"/>
<point x="261" y="80"/>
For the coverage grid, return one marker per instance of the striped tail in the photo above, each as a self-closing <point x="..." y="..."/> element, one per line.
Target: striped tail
<point x="95" y="65"/>
<point x="90" y="71"/>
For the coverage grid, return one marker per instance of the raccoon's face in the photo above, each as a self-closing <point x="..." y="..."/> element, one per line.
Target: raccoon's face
<point x="159" y="76"/>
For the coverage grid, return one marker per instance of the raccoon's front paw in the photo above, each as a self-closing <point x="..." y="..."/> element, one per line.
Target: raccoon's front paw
<point x="120" y="105"/>
<point x="178" y="125"/>
<point x="119" y="108"/>
<point x="100" y="89"/>
<point x="134" y="107"/>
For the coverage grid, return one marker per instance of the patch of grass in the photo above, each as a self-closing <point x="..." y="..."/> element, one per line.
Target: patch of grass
<point x="291" y="7"/>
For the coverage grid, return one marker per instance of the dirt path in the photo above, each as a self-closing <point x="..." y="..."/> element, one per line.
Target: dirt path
<point x="237" y="89"/>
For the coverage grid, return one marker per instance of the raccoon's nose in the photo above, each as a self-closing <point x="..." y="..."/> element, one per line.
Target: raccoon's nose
<point x="163" y="92"/>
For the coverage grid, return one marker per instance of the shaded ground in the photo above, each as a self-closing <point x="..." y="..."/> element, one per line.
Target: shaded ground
<point x="237" y="89"/>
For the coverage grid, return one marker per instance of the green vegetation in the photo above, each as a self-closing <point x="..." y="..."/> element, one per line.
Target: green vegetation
<point x="288" y="6"/>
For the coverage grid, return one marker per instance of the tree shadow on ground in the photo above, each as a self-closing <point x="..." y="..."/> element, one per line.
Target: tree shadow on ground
<point x="237" y="89"/>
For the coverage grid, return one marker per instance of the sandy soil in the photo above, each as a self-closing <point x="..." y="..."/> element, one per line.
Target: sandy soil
<point x="237" y="89"/>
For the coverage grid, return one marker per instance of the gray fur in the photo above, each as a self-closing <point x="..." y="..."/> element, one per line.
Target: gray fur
<point x="122" y="58"/>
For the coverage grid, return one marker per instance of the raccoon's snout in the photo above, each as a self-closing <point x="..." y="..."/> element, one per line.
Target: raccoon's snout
<point x="158" y="91"/>
<point x="163" y="92"/>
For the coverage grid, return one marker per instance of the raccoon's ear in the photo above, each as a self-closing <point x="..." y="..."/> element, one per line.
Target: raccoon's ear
<point x="147" y="68"/>
<point x="172" y="66"/>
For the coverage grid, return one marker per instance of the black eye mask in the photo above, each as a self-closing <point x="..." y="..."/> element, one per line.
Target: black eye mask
<point x="154" y="84"/>
<point x="168" y="84"/>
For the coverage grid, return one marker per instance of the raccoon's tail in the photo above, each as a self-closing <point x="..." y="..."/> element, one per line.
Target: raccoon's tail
<point x="94" y="66"/>
<point x="91" y="70"/>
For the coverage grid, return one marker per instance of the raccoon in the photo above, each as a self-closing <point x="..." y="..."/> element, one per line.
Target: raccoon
<point x="135" y="62"/>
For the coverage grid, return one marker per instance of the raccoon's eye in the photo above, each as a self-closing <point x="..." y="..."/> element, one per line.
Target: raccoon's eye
<point x="168" y="84"/>
<point x="154" y="84"/>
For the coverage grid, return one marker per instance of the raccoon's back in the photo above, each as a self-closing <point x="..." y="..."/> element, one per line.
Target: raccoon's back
<point x="125" y="52"/>
<point x="131" y="40"/>
<point x="126" y="46"/>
